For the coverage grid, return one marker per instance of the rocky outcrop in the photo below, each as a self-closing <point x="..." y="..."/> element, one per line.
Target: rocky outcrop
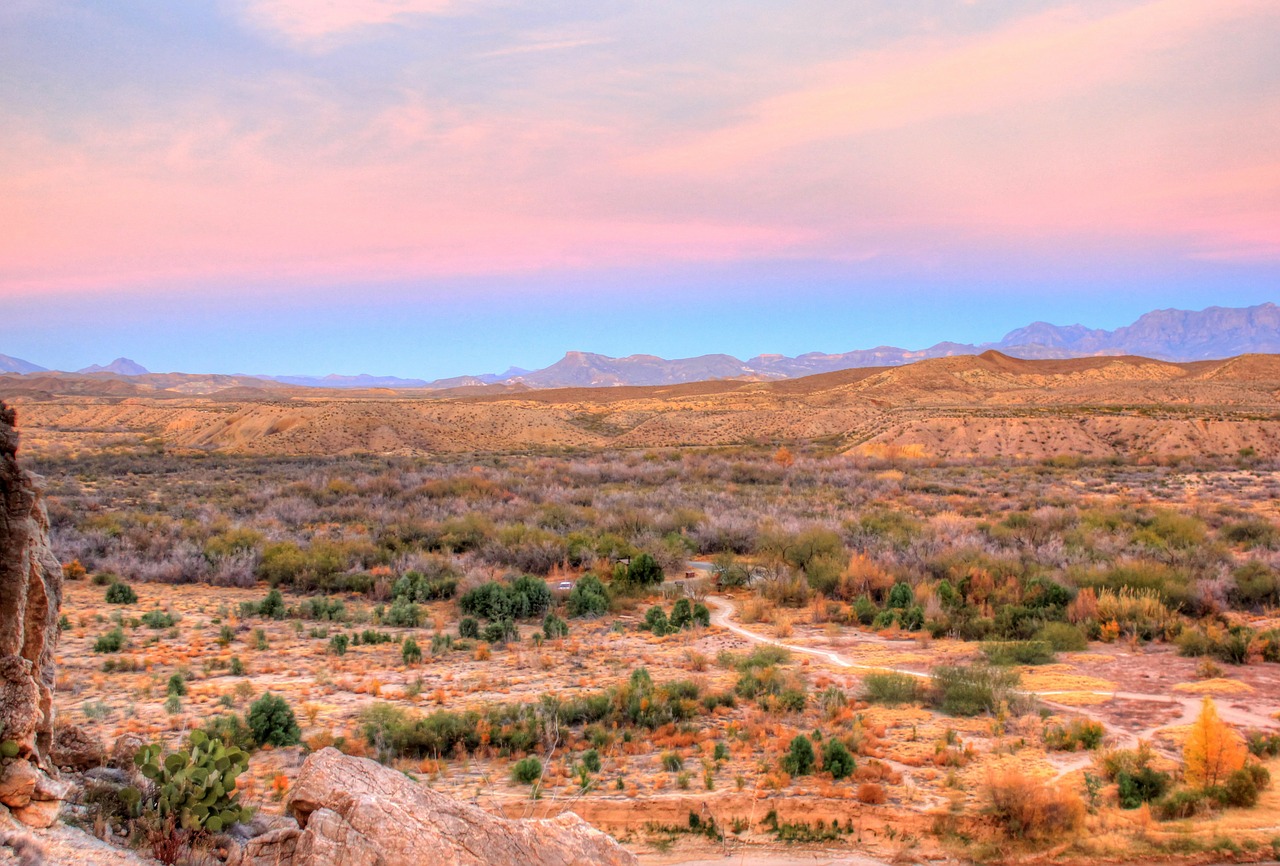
<point x="74" y="748"/>
<point x="30" y="595"/>
<point x="356" y="812"/>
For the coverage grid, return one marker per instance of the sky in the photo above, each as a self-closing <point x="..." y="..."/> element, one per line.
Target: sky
<point x="440" y="187"/>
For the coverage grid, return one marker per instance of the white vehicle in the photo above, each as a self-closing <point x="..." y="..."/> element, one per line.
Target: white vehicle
<point x="565" y="584"/>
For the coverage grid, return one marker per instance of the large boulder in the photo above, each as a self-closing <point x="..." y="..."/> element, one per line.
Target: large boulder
<point x="74" y="748"/>
<point x="356" y="812"/>
<point x="30" y="595"/>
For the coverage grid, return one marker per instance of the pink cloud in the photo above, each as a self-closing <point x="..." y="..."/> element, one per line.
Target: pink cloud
<point x="1032" y="61"/>
<point x="310" y="22"/>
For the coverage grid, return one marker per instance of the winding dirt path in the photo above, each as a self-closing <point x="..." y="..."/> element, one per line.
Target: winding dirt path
<point x="723" y="612"/>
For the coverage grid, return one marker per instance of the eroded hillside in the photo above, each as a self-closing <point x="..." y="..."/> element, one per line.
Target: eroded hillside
<point x="988" y="405"/>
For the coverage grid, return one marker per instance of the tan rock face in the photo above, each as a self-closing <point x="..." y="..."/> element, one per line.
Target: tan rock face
<point x="355" y="812"/>
<point x="75" y="749"/>
<point x="30" y="594"/>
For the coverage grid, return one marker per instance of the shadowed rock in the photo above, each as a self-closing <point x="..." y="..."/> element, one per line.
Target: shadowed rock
<point x="30" y="596"/>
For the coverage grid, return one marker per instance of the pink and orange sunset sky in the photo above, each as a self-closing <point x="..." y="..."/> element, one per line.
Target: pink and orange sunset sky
<point x="437" y="187"/>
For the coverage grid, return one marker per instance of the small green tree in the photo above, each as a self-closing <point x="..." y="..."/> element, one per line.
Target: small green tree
<point x="681" y="614"/>
<point x="901" y="596"/>
<point x="837" y="760"/>
<point x="526" y="771"/>
<point x="177" y="685"/>
<point x="272" y="721"/>
<point x="644" y="571"/>
<point x="588" y="598"/>
<point x="272" y="607"/>
<point x="554" y="627"/>
<point x="799" y="758"/>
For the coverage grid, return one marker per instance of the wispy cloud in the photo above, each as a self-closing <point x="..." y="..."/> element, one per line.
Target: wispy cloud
<point x="546" y="45"/>
<point x="1034" y="60"/>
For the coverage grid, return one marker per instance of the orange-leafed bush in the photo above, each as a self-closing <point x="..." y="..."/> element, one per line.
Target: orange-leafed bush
<point x="871" y="793"/>
<point x="1028" y="808"/>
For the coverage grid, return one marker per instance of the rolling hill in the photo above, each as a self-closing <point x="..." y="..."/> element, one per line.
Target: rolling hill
<point x="990" y="405"/>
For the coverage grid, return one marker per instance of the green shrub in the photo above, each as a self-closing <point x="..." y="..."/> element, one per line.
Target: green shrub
<point x="837" y="760"/>
<point x="589" y="597"/>
<point x="1183" y="803"/>
<point x="402" y="614"/>
<point x="523" y="598"/>
<point x="526" y="771"/>
<point x="273" y="722"/>
<point x="1063" y="637"/>
<point x="158" y="619"/>
<point x="1076" y="734"/>
<point x="177" y="686"/>
<point x="890" y="688"/>
<point x="644" y="571"/>
<point x="591" y="760"/>
<point x="1141" y="785"/>
<point x="554" y="627"/>
<point x="500" y="632"/>
<point x="967" y="690"/>
<point x="338" y="644"/>
<point x="410" y="652"/>
<point x="1018" y="652"/>
<point x="655" y="620"/>
<point x="901" y="596"/>
<point x="1240" y="790"/>
<point x="1264" y="744"/>
<point x="701" y="615"/>
<point x="416" y="586"/>
<point x="469" y="628"/>
<point x="272" y="607"/>
<point x="121" y="593"/>
<point x="799" y="758"/>
<point x="671" y="761"/>
<point x="111" y="642"/>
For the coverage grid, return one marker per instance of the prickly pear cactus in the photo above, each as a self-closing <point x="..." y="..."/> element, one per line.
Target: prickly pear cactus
<point x="195" y="786"/>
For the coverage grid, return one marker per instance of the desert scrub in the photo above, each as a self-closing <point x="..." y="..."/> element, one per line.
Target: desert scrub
<point x="272" y="722"/>
<point x="527" y="771"/>
<point x="890" y="688"/>
<point x="1026" y="808"/>
<point x="968" y="690"/>
<point x="588" y="598"/>
<point x="1018" y="652"/>
<point x="111" y="642"/>
<point x="158" y="619"/>
<point x="1077" y="734"/>
<point x="121" y="593"/>
<point x="519" y="727"/>
<point x="1063" y="637"/>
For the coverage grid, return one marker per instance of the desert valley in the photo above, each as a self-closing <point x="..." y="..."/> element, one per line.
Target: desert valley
<point x="974" y="608"/>
<point x="497" y="433"/>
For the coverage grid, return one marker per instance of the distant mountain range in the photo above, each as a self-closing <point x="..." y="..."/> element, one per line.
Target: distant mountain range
<point x="1168" y="335"/>
<point x="120" y="367"/>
